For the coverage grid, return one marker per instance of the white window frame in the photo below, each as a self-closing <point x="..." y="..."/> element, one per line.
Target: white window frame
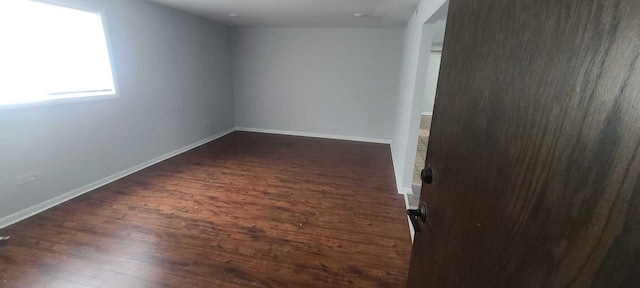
<point x="86" y="97"/>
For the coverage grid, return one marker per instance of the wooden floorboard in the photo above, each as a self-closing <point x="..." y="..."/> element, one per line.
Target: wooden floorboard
<point x="246" y="210"/>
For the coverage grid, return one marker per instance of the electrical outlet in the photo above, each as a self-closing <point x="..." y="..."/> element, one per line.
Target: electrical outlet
<point x="27" y="178"/>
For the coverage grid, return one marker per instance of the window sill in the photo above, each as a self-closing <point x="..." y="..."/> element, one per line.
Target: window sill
<point x="62" y="100"/>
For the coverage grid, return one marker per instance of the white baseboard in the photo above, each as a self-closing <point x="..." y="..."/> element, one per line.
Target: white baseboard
<point x="33" y="210"/>
<point x="315" y="135"/>
<point x="412" y="232"/>
<point x="401" y="190"/>
<point x="395" y="172"/>
<point x="426" y="113"/>
<point x="405" y="190"/>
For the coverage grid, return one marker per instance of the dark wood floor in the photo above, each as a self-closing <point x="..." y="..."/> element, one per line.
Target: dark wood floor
<point x="247" y="210"/>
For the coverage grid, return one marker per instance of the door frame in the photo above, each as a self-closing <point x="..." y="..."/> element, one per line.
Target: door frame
<point x="417" y="47"/>
<point x="412" y="87"/>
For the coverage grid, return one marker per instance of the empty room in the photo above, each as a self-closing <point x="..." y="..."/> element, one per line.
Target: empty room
<point x="308" y="143"/>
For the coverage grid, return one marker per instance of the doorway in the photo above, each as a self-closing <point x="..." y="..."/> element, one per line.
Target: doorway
<point x="428" y="103"/>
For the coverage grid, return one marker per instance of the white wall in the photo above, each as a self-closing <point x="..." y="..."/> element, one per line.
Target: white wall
<point x="415" y="61"/>
<point x="174" y="77"/>
<point x="335" y="81"/>
<point x="433" y="71"/>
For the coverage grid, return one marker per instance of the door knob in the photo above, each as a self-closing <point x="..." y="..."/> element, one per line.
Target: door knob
<point x="427" y="175"/>
<point x="418" y="215"/>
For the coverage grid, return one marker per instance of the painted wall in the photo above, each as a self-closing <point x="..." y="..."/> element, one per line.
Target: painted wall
<point x="415" y="60"/>
<point x="335" y="81"/>
<point x="174" y="77"/>
<point x="433" y="71"/>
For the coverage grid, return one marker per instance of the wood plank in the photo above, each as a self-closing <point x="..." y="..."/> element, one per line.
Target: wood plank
<point x="247" y="210"/>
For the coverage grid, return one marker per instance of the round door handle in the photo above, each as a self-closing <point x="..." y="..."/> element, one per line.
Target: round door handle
<point x="427" y="175"/>
<point x="418" y="215"/>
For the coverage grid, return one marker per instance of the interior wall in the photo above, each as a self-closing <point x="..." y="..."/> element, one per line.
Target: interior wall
<point x="331" y="81"/>
<point x="173" y="74"/>
<point x="415" y="52"/>
<point x="433" y="71"/>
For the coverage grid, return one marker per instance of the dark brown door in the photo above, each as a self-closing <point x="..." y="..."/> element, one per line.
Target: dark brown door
<point x="535" y="148"/>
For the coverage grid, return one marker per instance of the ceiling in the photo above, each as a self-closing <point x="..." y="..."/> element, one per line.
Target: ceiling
<point x="300" y="13"/>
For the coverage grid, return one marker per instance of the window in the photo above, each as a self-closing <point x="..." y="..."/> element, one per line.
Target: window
<point x="50" y="53"/>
